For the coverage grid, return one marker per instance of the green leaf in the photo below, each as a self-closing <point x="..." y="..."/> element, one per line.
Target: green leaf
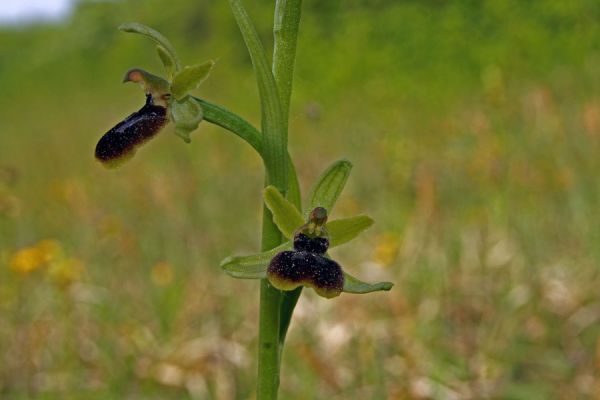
<point x="285" y="215"/>
<point x="274" y="146"/>
<point x="329" y="186"/>
<point x="166" y="59"/>
<point x="356" y="286"/>
<point x="189" y="78"/>
<point x="186" y="114"/>
<point x="344" y="230"/>
<point x="157" y="37"/>
<point x="254" y="266"/>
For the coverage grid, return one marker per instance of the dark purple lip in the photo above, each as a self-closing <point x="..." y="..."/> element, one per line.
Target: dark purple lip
<point x="123" y="139"/>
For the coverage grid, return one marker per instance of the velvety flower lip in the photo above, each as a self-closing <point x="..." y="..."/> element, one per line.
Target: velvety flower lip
<point x="121" y="142"/>
<point x="317" y="245"/>
<point x="307" y="264"/>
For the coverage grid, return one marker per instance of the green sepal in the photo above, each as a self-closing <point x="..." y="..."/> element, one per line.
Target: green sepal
<point x="189" y="78"/>
<point x="166" y="59"/>
<point x="157" y="37"/>
<point x="356" y="286"/>
<point x="254" y="266"/>
<point x="285" y="215"/>
<point x="346" y="229"/>
<point x="186" y="114"/>
<point x="329" y="185"/>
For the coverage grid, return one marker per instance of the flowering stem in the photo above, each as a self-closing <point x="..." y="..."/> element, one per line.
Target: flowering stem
<point x="220" y="116"/>
<point x="285" y="31"/>
<point x="270" y="298"/>
<point x="274" y="88"/>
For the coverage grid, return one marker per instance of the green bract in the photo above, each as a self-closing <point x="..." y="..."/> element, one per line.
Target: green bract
<point x="288" y="219"/>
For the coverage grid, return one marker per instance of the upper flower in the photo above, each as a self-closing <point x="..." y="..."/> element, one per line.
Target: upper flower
<point x="166" y="100"/>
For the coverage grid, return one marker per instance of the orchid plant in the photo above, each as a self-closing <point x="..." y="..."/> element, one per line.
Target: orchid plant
<point x="295" y="241"/>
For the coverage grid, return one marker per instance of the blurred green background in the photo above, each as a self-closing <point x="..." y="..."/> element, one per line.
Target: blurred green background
<point x="474" y="128"/>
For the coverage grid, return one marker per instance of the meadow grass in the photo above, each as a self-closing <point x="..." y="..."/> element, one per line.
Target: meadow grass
<point x="474" y="130"/>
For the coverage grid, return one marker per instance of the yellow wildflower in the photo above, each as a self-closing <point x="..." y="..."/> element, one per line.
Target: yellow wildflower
<point x="31" y="258"/>
<point x="25" y="260"/>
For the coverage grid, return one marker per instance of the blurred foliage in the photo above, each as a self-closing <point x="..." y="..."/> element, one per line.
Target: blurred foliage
<point x="474" y="128"/>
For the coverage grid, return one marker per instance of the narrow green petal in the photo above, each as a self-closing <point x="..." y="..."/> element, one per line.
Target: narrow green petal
<point x="166" y="59"/>
<point x="330" y="185"/>
<point x="189" y="78"/>
<point x="356" y="286"/>
<point x="285" y="215"/>
<point x="253" y="266"/>
<point x="344" y="230"/>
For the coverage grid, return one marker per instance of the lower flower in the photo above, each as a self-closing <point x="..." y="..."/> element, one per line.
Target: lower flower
<point x="307" y="264"/>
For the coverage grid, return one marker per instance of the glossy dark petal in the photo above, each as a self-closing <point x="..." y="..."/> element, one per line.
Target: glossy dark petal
<point x="121" y="141"/>
<point x="290" y="269"/>
<point x="318" y="245"/>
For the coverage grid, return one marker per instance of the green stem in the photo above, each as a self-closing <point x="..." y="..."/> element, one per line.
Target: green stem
<point x="274" y="154"/>
<point x="274" y="88"/>
<point x="270" y="298"/>
<point x="285" y="31"/>
<point x="235" y="124"/>
<point x="224" y="118"/>
<point x="290" y="299"/>
<point x="267" y="384"/>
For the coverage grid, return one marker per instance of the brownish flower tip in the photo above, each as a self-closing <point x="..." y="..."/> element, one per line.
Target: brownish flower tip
<point x="134" y="75"/>
<point x="318" y="216"/>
